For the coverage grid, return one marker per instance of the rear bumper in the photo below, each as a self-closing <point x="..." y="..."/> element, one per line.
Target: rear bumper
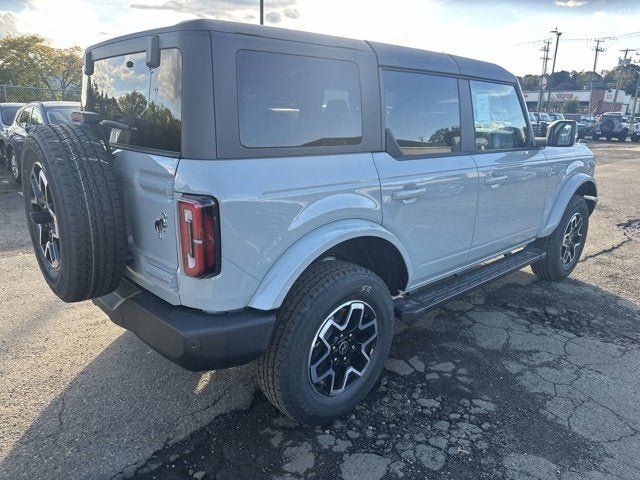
<point x="193" y="339"/>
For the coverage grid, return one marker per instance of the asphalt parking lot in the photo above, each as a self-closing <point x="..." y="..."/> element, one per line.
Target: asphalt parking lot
<point x="524" y="379"/>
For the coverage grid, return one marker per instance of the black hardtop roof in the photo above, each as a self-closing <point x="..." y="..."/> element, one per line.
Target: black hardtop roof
<point x="388" y="55"/>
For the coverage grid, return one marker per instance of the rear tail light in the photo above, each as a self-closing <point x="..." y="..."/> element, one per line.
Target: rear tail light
<point x="199" y="235"/>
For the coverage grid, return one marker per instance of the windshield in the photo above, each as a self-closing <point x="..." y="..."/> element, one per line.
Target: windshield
<point x="9" y="113"/>
<point x="544" y="116"/>
<point x="57" y="115"/>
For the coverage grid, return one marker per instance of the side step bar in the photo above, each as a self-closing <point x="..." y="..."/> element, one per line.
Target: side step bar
<point x="414" y="304"/>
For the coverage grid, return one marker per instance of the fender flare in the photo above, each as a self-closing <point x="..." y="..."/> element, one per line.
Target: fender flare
<point x="563" y="198"/>
<point x="289" y="266"/>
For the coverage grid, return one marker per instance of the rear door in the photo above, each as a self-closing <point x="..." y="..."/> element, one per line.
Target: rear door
<point x="149" y="101"/>
<point x="513" y="173"/>
<point x="429" y="185"/>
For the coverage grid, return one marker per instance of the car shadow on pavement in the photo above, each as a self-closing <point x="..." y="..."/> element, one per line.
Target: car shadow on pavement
<point x="124" y="405"/>
<point x="523" y="379"/>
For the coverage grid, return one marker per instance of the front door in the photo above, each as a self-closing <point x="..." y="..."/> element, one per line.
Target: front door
<point x="429" y="187"/>
<point x="513" y="174"/>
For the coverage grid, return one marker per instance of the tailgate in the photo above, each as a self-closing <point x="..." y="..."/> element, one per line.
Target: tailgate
<point x="147" y="181"/>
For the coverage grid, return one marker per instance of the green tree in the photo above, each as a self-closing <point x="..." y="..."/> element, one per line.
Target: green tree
<point x="571" y="106"/>
<point x="27" y="60"/>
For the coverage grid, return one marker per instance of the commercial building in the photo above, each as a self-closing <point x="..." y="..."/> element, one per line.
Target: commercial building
<point x="601" y="100"/>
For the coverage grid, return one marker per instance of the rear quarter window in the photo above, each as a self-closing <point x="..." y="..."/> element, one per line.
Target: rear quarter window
<point x="297" y="101"/>
<point x="125" y="90"/>
<point x="8" y="114"/>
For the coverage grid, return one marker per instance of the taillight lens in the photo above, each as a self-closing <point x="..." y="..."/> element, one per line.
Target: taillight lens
<point x="199" y="235"/>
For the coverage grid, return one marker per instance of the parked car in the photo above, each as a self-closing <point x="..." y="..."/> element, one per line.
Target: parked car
<point x="27" y="117"/>
<point x="612" y="125"/>
<point x="7" y="114"/>
<point x="286" y="197"/>
<point x="555" y="116"/>
<point x="635" y="132"/>
<point x="541" y="122"/>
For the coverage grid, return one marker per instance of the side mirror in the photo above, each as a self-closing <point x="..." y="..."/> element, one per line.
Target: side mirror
<point x="562" y="133"/>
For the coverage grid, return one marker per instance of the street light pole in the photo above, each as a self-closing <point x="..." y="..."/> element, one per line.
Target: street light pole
<point x="553" y="65"/>
<point x="261" y="12"/>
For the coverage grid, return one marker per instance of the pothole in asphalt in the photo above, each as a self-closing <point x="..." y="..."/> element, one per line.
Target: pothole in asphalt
<point x="631" y="228"/>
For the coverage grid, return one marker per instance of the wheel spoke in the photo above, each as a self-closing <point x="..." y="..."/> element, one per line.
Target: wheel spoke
<point x="43" y="216"/>
<point x="341" y="350"/>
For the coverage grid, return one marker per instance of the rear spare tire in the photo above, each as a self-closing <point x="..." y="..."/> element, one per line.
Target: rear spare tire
<point x="74" y="211"/>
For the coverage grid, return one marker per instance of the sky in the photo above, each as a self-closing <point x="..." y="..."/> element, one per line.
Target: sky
<point x="509" y="33"/>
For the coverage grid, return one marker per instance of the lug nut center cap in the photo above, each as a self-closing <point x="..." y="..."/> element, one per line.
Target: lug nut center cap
<point x="343" y="348"/>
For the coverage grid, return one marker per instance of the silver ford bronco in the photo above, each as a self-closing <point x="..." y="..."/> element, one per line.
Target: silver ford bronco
<point x="233" y="192"/>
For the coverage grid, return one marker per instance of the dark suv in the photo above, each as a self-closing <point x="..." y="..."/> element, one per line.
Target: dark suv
<point x="7" y="115"/>
<point x="30" y="115"/>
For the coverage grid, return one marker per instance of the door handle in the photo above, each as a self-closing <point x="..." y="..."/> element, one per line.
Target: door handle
<point x="408" y="194"/>
<point x="495" y="180"/>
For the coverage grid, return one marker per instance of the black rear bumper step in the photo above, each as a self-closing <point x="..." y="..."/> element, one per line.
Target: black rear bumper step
<point x="416" y="303"/>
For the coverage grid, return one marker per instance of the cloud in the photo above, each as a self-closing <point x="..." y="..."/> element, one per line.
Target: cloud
<point x="225" y="9"/>
<point x="273" y="17"/>
<point x="8" y="24"/>
<point x="571" y="3"/>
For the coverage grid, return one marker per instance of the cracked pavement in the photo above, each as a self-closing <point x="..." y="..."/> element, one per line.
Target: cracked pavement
<point x="524" y="379"/>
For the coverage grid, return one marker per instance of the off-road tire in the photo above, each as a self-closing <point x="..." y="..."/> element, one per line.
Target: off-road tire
<point x="88" y="208"/>
<point x="283" y="369"/>
<point x="552" y="267"/>
<point x="623" y="136"/>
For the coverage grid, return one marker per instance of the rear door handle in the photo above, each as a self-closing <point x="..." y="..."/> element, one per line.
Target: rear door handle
<point x="495" y="179"/>
<point x="408" y="194"/>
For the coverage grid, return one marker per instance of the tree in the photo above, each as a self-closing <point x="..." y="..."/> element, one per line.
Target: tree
<point x="27" y="60"/>
<point x="571" y="106"/>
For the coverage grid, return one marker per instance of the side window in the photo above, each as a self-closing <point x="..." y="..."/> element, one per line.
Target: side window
<point x="498" y="117"/>
<point x="423" y="112"/>
<point x="36" y="116"/>
<point x="24" y="116"/>
<point x="296" y="101"/>
<point x="124" y="89"/>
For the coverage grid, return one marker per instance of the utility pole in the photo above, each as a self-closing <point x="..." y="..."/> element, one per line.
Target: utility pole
<point x="620" y="74"/>
<point x="635" y="93"/>
<point x="597" y="49"/>
<point x="261" y="12"/>
<point x="545" y="59"/>
<point x="553" y="65"/>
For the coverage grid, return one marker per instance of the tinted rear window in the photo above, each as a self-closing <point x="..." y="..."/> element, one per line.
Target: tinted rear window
<point x="291" y="101"/>
<point x="422" y="112"/>
<point x="124" y="89"/>
<point x="8" y="114"/>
